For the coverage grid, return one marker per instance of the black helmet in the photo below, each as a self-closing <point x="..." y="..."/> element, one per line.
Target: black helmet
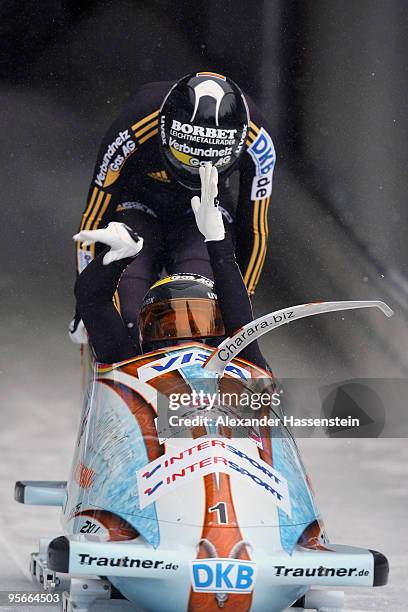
<point x="180" y="307"/>
<point x="204" y="117"/>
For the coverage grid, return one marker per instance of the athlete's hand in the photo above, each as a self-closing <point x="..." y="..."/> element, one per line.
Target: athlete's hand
<point x="123" y="242"/>
<point x="77" y="332"/>
<point x="208" y="215"/>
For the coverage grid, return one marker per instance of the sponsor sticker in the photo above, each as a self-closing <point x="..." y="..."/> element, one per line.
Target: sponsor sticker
<point x="115" y="156"/>
<point x="182" y="360"/>
<point x="159" y="175"/>
<point x="173" y="277"/>
<point x="319" y="572"/>
<point x="124" y="562"/>
<point x="190" y="160"/>
<point x="173" y="469"/>
<point x="197" y="151"/>
<point x="91" y="528"/>
<point x="198" y="133"/>
<point x="85" y="257"/>
<point x="261" y="186"/>
<point x="336" y="566"/>
<point x="227" y="351"/>
<point x="263" y="155"/>
<point x="185" y="140"/>
<point x="223" y="575"/>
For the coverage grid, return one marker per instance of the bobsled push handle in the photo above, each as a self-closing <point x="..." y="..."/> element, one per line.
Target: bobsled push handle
<point x="232" y="346"/>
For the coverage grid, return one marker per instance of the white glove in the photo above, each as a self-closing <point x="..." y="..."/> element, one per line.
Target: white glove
<point x="117" y="237"/>
<point x="208" y="215"/>
<point x="77" y="334"/>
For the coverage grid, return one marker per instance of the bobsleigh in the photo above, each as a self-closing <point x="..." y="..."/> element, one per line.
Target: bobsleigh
<point x="193" y="517"/>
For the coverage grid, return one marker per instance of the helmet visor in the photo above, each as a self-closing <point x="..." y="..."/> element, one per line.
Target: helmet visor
<point x="181" y="318"/>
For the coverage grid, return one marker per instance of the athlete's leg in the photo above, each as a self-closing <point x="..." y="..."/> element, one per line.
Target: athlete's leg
<point x="144" y="270"/>
<point x="185" y="248"/>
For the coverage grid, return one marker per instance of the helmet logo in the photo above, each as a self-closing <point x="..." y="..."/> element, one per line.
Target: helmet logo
<point x="211" y="89"/>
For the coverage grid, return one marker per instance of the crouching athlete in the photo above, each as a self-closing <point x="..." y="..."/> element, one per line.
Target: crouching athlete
<point x="147" y="168"/>
<point x="176" y="309"/>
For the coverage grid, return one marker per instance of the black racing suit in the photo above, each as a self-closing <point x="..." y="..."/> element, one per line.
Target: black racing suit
<point x="110" y="338"/>
<point x="130" y="185"/>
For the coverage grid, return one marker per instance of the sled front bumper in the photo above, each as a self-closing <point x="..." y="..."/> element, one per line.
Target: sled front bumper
<point x="337" y="565"/>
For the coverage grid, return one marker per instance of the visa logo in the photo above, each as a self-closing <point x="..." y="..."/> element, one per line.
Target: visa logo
<point x="181" y="360"/>
<point x="223" y="575"/>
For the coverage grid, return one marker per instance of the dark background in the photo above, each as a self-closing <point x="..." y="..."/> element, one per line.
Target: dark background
<point x="331" y="78"/>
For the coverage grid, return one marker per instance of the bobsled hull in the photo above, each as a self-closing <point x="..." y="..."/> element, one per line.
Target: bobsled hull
<point x="197" y="522"/>
<point x="163" y="579"/>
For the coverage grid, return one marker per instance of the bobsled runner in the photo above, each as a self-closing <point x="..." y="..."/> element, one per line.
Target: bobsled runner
<point x="192" y="517"/>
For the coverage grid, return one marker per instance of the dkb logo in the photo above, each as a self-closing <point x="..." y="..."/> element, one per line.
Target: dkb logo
<point x="223" y="575"/>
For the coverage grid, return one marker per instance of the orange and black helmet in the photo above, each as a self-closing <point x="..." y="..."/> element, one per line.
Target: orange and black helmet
<point x="180" y="308"/>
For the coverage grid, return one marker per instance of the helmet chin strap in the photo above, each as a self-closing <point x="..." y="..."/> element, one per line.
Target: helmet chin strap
<point x="232" y="346"/>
